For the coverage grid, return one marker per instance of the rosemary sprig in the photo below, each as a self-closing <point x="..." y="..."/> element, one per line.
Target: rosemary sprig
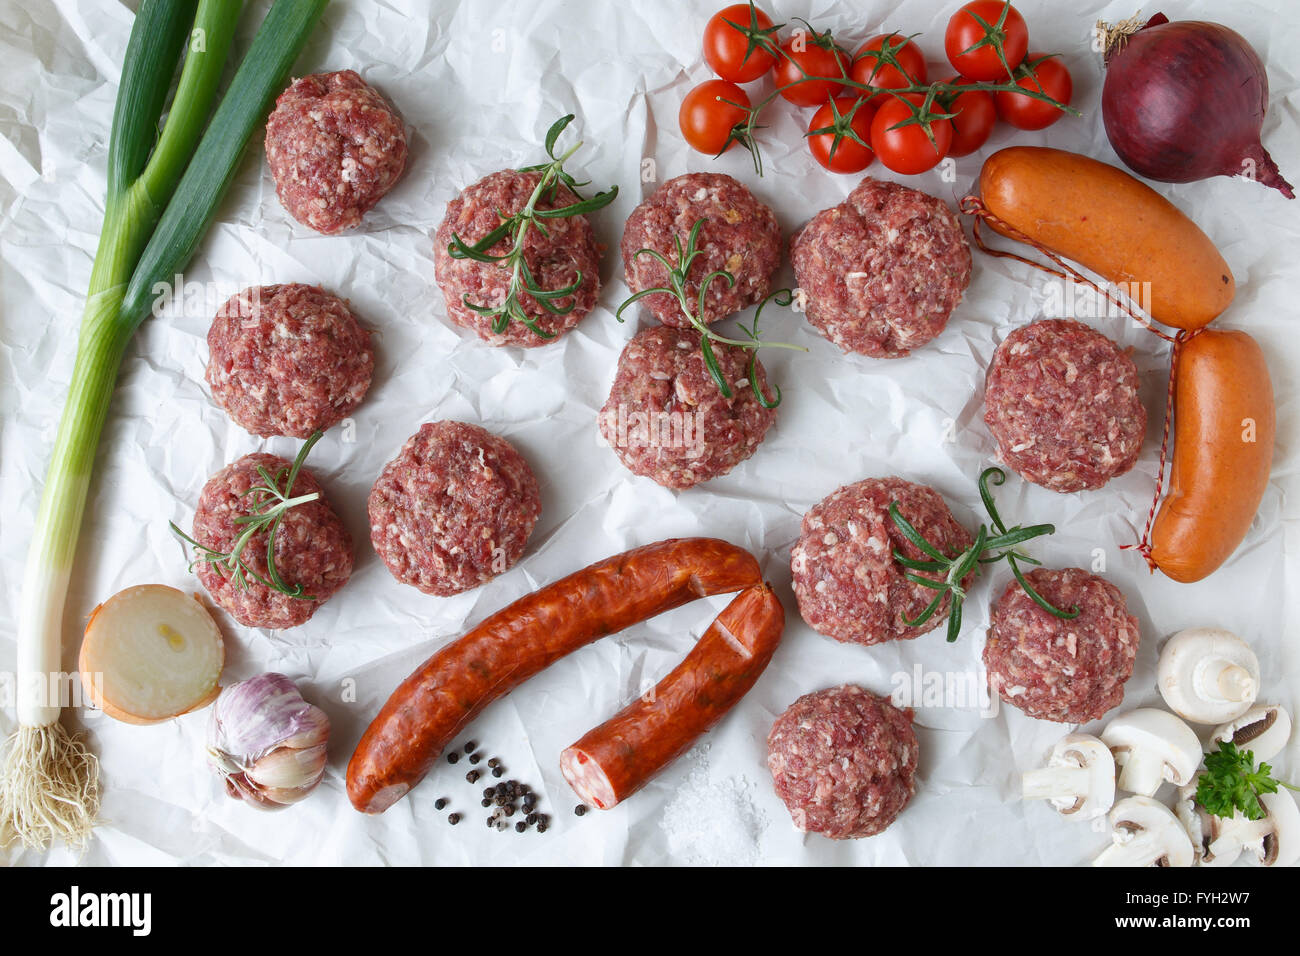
<point x="988" y="547"/>
<point x="270" y="502"/>
<point x="522" y="282"/>
<point x="677" y="281"/>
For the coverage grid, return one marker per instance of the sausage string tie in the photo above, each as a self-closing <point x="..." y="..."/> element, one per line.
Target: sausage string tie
<point x="974" y="206"/>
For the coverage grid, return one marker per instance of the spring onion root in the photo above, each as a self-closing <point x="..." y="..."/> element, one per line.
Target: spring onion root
<point x="163" y="192"/>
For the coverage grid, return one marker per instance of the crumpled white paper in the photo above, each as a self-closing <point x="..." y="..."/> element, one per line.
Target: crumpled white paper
<point x="478" y="84"/>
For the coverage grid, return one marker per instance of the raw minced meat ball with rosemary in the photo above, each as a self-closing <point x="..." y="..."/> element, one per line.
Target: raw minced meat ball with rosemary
<point x="739" y="235"/>
<point x="881" y="272"/>
<point x="1062" y="403"/>
<point x="312" y="548"/>
<point x="288" y="360"/>
<point x="559" y="252"/>
<point x="335" y="147"/>
<point x="454" y="509"/>
<point x="667" y="419"/>
<point x="846" y="579"/>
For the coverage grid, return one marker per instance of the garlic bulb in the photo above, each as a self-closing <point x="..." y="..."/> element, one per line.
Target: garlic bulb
<point x="267" y="742"/>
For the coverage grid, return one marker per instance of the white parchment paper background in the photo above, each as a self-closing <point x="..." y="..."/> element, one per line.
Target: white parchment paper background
<point x="478" y="83"/>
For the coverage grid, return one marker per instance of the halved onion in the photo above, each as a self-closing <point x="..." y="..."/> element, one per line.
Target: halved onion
<point x="151" y="653"/>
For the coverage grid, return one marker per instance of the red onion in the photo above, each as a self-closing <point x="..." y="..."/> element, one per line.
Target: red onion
<point x="1185" y="101"/>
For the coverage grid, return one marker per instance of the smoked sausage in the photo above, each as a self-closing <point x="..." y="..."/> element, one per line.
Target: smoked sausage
<point x="1224" y="423"/>
<point x="449" y="689"/>
<point x="615" y="760"/>
<point x="1112" y="223"/>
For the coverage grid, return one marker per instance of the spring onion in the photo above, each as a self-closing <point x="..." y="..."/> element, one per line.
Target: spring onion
<point x="163" y="193"/>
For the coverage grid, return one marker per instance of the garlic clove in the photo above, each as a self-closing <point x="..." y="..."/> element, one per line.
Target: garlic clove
<point x="288" y="768"/>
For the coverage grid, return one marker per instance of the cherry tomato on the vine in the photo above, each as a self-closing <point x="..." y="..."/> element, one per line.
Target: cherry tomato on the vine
<point x="710" y="113"/>
<point x="972" y="46"/>
<point x="1039" y="73"/>
<point x="815" y="59"/>
<point x="830" y="140"/>
<point x="887" y="76"/>
<point x="739" y="55"/>
<point x="975" y="119"/>
<point x="908" y="149"/>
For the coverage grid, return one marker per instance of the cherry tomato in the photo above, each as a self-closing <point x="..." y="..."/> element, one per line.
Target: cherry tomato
<point x="1049" y="76"/>
<point x="708" y="116"/>
<point x="848" y="155"/>
<point x="975" y="119"/>
<point x="732" y="53"/>
<point x="908" y="150"/>
<point x="811" y="55"/>
<point x="964" y="32"/>
<point x="887" y="77"/>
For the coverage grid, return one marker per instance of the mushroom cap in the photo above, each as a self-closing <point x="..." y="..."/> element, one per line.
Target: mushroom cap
<point x="1151" y="746"/>
<point x="1090" y="753"/>
<point x="1280" y="845"/>
<point x="1146" y="833"/>
<point x="1207" y="675"/>
<point x="1203" y="827"/>
<point x="1263" y="730"/>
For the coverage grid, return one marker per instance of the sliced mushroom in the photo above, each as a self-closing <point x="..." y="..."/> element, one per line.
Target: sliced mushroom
<point x="1203" y="827"/>
<point x="1262" y="730"/>
<point x="1208" y="675"/>
<point x="1151" y="746"/>
<point x="1079" y="778"/>
<point x="1145" y="833"/>
<point x="1272" y="840"/>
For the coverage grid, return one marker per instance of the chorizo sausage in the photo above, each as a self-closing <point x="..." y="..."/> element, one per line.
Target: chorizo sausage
<point x="615" y="760"/>
<point x="448" y="690"/>
<point x="1224" y="422"/>
<point x="1112" y="223"/>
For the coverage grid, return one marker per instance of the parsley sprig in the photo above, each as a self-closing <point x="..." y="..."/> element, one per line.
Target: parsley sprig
<point x="269" y="502"/>
<point x="1231" y="783"/>
<point x="552" y="185"/>
<point x="988" y="547"/>
<point x="694" y="312"/>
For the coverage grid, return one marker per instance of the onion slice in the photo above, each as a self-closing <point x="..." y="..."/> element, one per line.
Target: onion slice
<point x="151" y="653"/>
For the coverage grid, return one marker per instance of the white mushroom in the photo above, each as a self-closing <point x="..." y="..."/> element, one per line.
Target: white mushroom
<point x="1079" y="778"/>
<point x="1272" y="840"/>
<point x="1146" y="833"/>
<point x="1150" y="747"/>
<point x="1208" y="675"/>
<point x="1204" y="828"/>
<point x="1262" y="730"/>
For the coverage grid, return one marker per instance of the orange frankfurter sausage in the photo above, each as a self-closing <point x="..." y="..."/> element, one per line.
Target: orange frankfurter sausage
<point x="1224" y="421"/>
<point x="1115" y="225"/>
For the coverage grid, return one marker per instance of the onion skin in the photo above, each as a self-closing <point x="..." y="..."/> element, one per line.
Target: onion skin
<point x="1185" y="100"/>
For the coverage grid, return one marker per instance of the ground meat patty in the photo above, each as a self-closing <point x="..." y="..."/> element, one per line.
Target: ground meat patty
<point x="847" y="582"/>
<point x="288" y="360"/>
<point x="740" y="235"/>
<point x="312" y="548"/>
<point x="1062" y="403"/>
<point x="568" y="250"/>
<point x="1070" y="671"/>
<point x="882" y="271"/>
<point x="666" y="418"/>
<point x="844" y="762"/>
<point x="335" y="147"/>
<point x="454" y="509"/>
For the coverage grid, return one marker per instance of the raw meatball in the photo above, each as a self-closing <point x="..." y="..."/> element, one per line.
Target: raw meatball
<point x="335" y="147"/>
<point x="288" y="360"/>
<point x="312" y="548"/>
<point x="739" y="235"/>
<point x="1062" y="403"/>
<point x="556" y="259"/>
<point x="454" y="509"/>
<point x="882" y="271"/>
<point x="666" y="418"/>
<point x="844" y="762"/>
<point x="847" y="582"/>
<point x="1070" y="671"/>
